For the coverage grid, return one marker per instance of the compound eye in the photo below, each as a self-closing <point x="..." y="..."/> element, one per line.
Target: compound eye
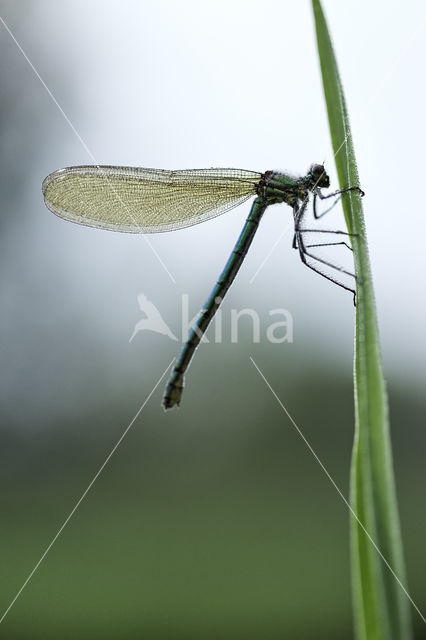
<point x="317" y="169"/>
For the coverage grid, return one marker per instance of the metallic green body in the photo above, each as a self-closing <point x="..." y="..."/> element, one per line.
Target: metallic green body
<point x="273" y="188"/>
<point x="175" y="385"/>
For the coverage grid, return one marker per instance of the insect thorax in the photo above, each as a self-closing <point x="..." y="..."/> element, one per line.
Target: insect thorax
<point x="278" y="187"/>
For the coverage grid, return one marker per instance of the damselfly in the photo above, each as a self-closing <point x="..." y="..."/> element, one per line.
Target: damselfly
<point x="139" y="200"/>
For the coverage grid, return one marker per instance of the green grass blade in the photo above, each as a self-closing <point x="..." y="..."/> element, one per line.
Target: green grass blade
<point x="381" y="607"/>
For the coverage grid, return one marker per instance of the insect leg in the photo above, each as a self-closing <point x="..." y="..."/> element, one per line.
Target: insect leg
<point x="318" y="193"/>
<point x="314" y="207"/>
<point x="303" y="256"/>
<point x="329" y="244"/>
<point x="339" y="192"/>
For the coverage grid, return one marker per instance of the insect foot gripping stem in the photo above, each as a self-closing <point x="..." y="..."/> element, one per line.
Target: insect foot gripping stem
<point x="173" y="392"/>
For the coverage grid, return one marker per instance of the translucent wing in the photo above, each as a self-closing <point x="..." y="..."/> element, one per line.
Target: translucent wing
<point x="145" y="200"/>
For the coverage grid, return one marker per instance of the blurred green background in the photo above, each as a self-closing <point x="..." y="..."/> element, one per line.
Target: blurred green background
<point x="213" y="521"/>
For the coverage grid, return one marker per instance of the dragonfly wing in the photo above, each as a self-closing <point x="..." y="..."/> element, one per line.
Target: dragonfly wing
<point x="139" y="200"/>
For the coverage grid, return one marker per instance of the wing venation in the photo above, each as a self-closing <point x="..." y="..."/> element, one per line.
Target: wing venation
<point x="140" y="200"/>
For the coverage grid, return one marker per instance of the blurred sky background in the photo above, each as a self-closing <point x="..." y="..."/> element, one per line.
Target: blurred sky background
<point x="213" y="520"/>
